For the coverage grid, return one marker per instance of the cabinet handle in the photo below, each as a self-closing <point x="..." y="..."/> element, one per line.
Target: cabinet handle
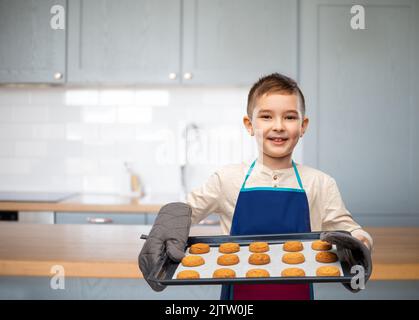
<point x="99" y="220"/>
<point x="58" y="76"/>
<point x="172" y="76"/>
<point x="187" y="76"/>
<point x="208" y="222"/>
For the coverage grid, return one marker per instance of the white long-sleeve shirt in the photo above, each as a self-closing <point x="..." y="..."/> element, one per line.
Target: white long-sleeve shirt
<point x="219" y="195"/>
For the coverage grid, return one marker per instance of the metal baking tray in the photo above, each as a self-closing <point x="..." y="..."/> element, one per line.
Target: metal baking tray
<point x="166" y="269"/>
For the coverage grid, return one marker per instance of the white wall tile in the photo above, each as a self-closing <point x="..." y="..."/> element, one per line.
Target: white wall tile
<point x="97" y="184"/>
<point x="135" y="151"/>
<point x="82" y="132"/>
<point x="49" y="131"/>
<point x="47" y="96"/>
<point x="26" y="182"/>
<point x="83" y="97"/>
<point x="14" y="132"/>
<point x="109" y="165"/>
<point x="152" y="97"/>
<point x="98" y="150"/>
<point x="64" y="183"/>
<point x="185" y="97"/>
<point x="31" y="149"/>
<point x="100" y="114"/>
<point x="134" y="114"/>
<point x="110" y="97"/>
<point x="225" y="97"/>
<point x="65" y="114"/>
<point x="30" y="114"/>
<point x="11" y="96"/>
<point x="67" y="139"/>
<point x="81" y="166"/>
<point x="160" y="179"/>
<point x="64" y="149"/>
<point x="7" y="148"/>
<point x="117" y="132"/>
<point x="15" y="166"/>
<point x="5" y="114"/>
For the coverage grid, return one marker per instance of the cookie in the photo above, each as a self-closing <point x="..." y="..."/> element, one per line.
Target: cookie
<point x="293" y="272"/>
<point x="328" y="271"/>
<point x="293" y="246"/>
<point x="258" y="247"/>
<point x="188" y="274"/>
<point x="320" y="245"/>
<point x="228" y="259"/>
<point x="192" y="261"/>
<point x="229" y="247"/>
<point x="257" y="273"/>
<point x="224" y="273"/>
<point x="326" y="257"/>
<point x="259" y="258"/>
<point x="293" y="258"/>
<point x="199" y="248"/>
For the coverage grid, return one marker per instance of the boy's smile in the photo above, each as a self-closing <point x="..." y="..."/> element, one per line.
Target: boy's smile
<point x="278" y="124"/>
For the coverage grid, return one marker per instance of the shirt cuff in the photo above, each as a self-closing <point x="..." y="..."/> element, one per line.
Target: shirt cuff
<point x="362" y="232"/>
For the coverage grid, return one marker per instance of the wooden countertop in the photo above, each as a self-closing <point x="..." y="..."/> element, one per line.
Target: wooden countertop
<point x="94" y="203"/>
<point x="111" y="251"/>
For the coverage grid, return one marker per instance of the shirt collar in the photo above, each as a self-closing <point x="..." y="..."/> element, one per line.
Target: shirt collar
<point x="261" y="168"/>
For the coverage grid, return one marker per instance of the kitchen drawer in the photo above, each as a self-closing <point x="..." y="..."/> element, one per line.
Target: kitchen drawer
<point x="104" y="218"/>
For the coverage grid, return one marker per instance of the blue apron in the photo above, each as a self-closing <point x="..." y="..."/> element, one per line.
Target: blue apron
<point x="267" y="210"/>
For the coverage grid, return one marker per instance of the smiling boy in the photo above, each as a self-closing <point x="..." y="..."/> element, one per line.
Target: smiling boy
<point x="273" y="194"/>
<point x="276" y="118"/>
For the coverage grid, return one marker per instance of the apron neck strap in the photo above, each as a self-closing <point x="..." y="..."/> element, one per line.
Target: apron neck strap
<point x="293" y="165"/>
<point x="248" y="173"/>
<point x="297" y="175"/>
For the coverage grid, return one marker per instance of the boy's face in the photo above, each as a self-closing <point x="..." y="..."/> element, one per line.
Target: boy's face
<point x="277" y="123"/>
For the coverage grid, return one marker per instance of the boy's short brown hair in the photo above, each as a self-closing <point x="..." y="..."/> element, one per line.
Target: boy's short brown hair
<point x="274" y="82"/>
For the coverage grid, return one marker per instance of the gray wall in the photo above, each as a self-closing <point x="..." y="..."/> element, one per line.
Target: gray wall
<point x="363" y="102"/>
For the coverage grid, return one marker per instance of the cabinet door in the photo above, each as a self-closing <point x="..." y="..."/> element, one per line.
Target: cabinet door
<point x="361" y="89"/>
<point x="236" y="41"/>
<point x="103" y="218"/>
<point x="30" y="50"/>
<point x="127" y="41"/>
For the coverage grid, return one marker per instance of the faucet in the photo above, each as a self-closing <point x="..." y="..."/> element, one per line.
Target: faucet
<point x="191" y="128"/>
<point x="194" y="129"/>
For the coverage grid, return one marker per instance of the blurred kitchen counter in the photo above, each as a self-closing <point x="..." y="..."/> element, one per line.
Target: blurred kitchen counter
<point x="98" y="251"/>
<point x="104" y="203"/>
<point x="111" y="251"/>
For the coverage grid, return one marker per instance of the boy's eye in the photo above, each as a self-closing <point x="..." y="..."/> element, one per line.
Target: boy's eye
<point x="291" y="117"/>
<point x="265" y="116"/>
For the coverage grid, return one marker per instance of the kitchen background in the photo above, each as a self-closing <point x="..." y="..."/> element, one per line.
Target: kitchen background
<point x="161" y="87"/>
<point x="68" y="139"/>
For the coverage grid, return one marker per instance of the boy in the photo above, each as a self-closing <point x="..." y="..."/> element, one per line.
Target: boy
<point x="271" y="195"/>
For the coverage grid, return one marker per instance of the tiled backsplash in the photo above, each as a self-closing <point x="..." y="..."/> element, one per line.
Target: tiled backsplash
<point x="70" y="139"/>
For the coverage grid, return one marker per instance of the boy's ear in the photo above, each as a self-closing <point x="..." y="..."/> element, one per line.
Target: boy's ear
<point x="248" y="124"/>
<point x="304" y="126"/>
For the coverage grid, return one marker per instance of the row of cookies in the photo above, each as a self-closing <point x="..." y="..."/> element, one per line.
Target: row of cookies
<point x="259" y="247"/>
<point x="259" y="259"/>
<point x="324" y="271"/>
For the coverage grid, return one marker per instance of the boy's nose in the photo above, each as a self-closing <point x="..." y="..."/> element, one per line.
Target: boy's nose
<point x="277" y="125"/>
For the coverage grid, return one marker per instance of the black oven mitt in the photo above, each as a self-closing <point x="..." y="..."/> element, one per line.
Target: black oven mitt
<point x="169" y="235"/>
<point x="352" y="251"/>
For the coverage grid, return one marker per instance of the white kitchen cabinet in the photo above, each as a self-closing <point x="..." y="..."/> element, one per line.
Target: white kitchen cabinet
<point x="210" y="42"/>
<point x="104" y="218"/>
<point x="128" y="41"/>
<point x="234" y="42"/>
<point x="31" y="51"/>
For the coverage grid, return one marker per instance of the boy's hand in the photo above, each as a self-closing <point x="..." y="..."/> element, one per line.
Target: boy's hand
<point x="169" y="235"/>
